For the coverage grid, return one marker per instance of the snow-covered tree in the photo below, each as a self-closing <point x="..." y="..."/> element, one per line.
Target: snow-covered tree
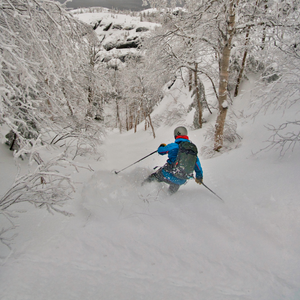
<point x="136" y="87"/>
<point x="44" y="60"/>
<point x="280" y="80"/>
<point x="46" y="82"/>
<point x="143" y="88"/>
<point x="219" y="36"/>
<point x="199" y="98"/>
<point x="203" y="38"/>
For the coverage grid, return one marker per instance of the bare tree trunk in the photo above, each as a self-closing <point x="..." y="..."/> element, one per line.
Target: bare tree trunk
<point x="146" y="122"/>
<point x="224" y="75"/>
<point x="151" y="125"/>
<point x="263" y="40"/>
<point x="190" y="79"/>
<point x="127" y="119"/>
<point x="130" y="122"/>
<point x="136" y="121"/>
<point x="118" y="117"/>
<point x="90" y="109"/>
<point x="198" y="101"/>
<point x="236" y="91"/>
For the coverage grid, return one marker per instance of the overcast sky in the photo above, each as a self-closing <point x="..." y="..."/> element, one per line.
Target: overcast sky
<point x="120" y="4"/>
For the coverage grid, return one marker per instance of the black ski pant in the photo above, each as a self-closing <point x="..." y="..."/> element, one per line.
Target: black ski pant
<point x="158" y="176"/>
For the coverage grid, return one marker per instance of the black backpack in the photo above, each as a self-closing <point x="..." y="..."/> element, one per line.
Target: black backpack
<point x="185" y="160"/>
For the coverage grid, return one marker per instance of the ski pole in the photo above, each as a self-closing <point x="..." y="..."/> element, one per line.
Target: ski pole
<point x="212" y="191"/>
<point x="117" y="172"/>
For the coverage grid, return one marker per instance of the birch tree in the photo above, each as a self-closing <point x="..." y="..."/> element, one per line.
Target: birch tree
<point x="207" y="30"/>
<point x="214" y="33"/>
<point x="226" y="45"/>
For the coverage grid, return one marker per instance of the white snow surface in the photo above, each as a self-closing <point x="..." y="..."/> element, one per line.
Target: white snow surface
<point x="131" y="242"/>
<point x="126" y="242"/>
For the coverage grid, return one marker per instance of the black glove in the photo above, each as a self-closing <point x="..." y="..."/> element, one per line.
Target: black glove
<point x="162" y="145"/>
<point x="199" y="180"/>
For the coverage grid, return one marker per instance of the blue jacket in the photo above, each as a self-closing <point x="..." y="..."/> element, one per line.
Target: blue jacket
<point x="172" y="150"/>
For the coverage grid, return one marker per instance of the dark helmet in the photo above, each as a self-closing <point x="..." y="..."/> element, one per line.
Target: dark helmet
<point x="180" y="131"/>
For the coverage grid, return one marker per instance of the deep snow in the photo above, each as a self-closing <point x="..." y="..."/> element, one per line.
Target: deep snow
<point x="129" y="242"/>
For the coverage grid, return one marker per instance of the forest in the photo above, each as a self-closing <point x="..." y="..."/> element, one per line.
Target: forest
<point x="64" y="84"/>
<point x="55" y="84"/>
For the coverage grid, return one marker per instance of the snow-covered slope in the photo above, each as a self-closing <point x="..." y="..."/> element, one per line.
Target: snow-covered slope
<point x="127" y="242"/>
<point x="131" y="242"/>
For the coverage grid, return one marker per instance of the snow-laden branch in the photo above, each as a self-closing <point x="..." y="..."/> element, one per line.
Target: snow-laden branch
<point x="45" y="69"/>
<point x="285" y="137"/>
<point x="44" y="187"/>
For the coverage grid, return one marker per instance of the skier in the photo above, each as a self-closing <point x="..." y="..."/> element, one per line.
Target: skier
<point x="182" y="161"/>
